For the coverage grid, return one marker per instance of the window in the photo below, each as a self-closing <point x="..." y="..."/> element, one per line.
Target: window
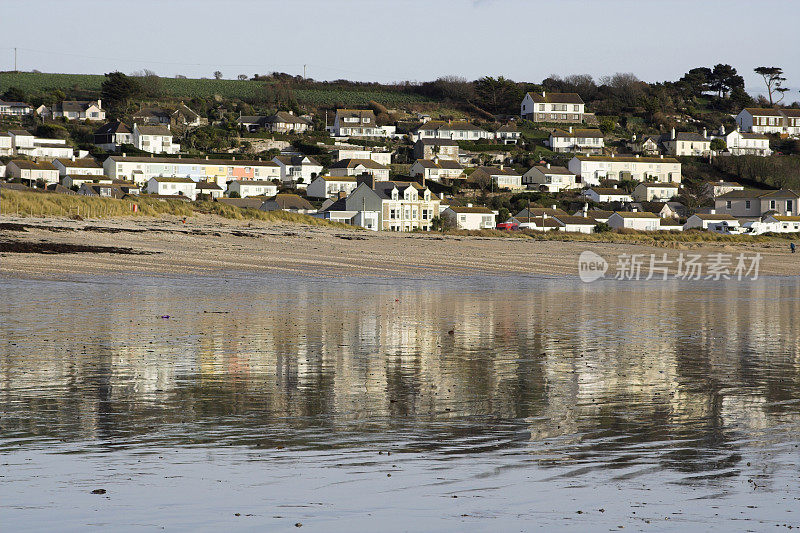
<point x="392" y="214"/>
<point x="541" y="107"/>
<point x="772" y="204"/>
<point x="463" y="218"/>
<point x="576" y="108"/>
<point x="746" y="204"/>
<point x="789" y="206"/>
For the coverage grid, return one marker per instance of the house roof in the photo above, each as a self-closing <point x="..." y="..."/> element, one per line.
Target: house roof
<point x="510" y="126"/>
<point x="670" y="222"/>
<point x="113" y="127"/>
<point x="339" y="178"/>
<point x="456" y="125"/>
<point x="33" y="165"/>
<point x="251" y="119"/>
<point x="86" y="162"/>
<point x="441" y="163"/>
<point x="553" y="170"/>
<point x="710" y="216"/>
<point x="255" y="183"/>
<point x="383" y="188"/>
<point x="285" y="117"/>
<point x="722" y="183"/>
<point x="782" y="193"/>
<point x="626" y="159"/>
<point x="475" y="210"/>
<point x="207" y="186"/>
<point x="353" y="163"/>
<point x="784" y="218"/>
<point x="575" y="220"/>
<point x="690" y="136"/>
<point x="184" y="109"/>
<point x="495" y="171"/>
<point x="296" y="160"/>
<point x="21" y="133"/>
<point x="151" y="112"/>
<point x="581" y="132"/>
<point x="74" y="105"/>
<point x="172" y="179"/>
<point x="741" y="194"/>
<point x="657" y="185"/>
<point x="162" y="131"/>
<point x="763" y="111"/>
<point x="291" y="201"/>
<point x="543" y="222"/>
<point x="192" y="161"/>
<point x="357" y="113"/>
<point x="608" y="191"/>
<point x="539" y="211"/>
<point x="556" y="98"/>
<point x="753" y="136"/>
<point x="636" y="214"/>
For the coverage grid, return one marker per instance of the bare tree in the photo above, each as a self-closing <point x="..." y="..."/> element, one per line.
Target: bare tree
<point x="217" y="75"/>
<point x="242" y="77"/>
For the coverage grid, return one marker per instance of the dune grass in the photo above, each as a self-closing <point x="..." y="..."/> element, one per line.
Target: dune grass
<point x="40" y="204"/>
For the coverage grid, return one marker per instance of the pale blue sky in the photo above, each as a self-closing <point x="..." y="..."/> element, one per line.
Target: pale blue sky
<point x="403" y="39"/>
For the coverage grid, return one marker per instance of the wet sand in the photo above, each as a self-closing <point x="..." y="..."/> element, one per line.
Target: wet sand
<point x="41" y="247"/>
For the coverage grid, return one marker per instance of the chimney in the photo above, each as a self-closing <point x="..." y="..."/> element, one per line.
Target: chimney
<point x="637" y="156"/>
<point x="554" y="206"/>
<point x="612" y="156"/>
<point x="501" y="166"/>
<point x="469" y="205"/>
<point x="73" y="156"/>
<point x="544" y="216"/>
<point x="722" y="129"/>
<point x="544" y="94"/>
<point x="586" y="209"/>
<point x="634" y="209"/>
<point x="206" y="158"/>
<point x="672" y="134"/>
<point x="705" y="134"/>
<point x="570" y="129"/>
<point x="713" y="211"/>
<point x="441" y="196"/>
<point x="179" y="156"/>
<point x="99" y="103"/>
<point x="259" y="158"/>
<point x="633" y="138"/>
<point x="661" y="156"/>
<point x="722" y="181"/>
<point x="233" y="158"/>
<point x="548" y="165"/>
<point x="614" y="186"/>
<point x="124" y="154"/>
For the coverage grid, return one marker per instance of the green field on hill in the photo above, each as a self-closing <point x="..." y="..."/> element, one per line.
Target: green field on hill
<point x="85" y="85"/>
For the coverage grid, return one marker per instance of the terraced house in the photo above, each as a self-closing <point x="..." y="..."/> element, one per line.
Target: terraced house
<point x="553" y="107"/>
<point x="220" y="171"/>
<point x="754" y="203"/>
<point x="582" y="141"/>
<point x="768" y="120"/>
<point x="459" y="130"/>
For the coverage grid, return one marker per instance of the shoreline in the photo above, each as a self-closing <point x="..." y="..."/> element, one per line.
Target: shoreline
<point x="211" y="244"/>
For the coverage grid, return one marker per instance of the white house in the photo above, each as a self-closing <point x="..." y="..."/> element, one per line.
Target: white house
<point x="384" y="158"/>
<point x="79" y="110"/>
<point x="441" y="148"/>
<point x="754" y="203"/>
<point x="718" y="188"/>
<point x="719" y="223"/>
<point x="553" y="107"/>
<point x="359" y="167"/>
<point x="437" y="169"/>
<point x="6" y="144"/>
<point x="459" y="130"/>
<point x="331" y="186"/>
<point x="767" y="120"/>
<point x="247" y="188"/>
<point x="172" y="186"/>
<point x="208" y="188"/>
<point x="508" y="134"/>
<point x="780" y="224"/>
<point x="356" y="123"/>
<point x="113" y="135"/>
<point x="76" y="180"/>
<point x="298" y="168"/>
<point x="32" y="171"/>
<point x="739" y="143"/>
<point x="584" y="141"/>
<point x="655" y="192"/>
<point x="14" y="108"/>
<point x="502" y="177"/>
<point x="593" y="168"/>
<point x="220" y="171"/>
<point x="637" y="220"/>
<point x="550" y="178"/>
<point x="154" y="139"/>
<point x="84" y="166"/>
<point x="686" y="143"/>
<point x="607" y="194"/>
<point x="575" y="224"/>
<point x="471" y="218"/>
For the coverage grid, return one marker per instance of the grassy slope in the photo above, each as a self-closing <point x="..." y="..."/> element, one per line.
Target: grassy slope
<point x="188" y="88"/>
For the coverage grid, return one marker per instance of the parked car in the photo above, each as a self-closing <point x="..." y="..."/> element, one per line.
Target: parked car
<point x="508" y="226"/>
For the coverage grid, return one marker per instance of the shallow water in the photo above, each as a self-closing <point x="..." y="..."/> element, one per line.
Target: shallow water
<point x="479" y="404"/>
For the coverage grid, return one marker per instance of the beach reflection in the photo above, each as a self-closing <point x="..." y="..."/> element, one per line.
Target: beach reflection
<point x="666" y="375"/>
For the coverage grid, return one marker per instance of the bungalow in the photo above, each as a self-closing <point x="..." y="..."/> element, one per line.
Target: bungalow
<point x="209" y="189"/>
<point x="154" y="139"/>
<point x="543" y="222"/>
<point x="502" y="177"/>
<point x="6" y="144"/>
<point x="286" y="121"/>
<point x="172" y="186"/>
<point x="288" y="202"/>
<point x="245" y="188"/>
<point x="754" y="203"/>
<point x="635" y="220"/>
<point x="85" y="166"/>
<point x="297" y="168"/>
<point x="688" y="144"/>
<point x="384" y="158"/>
<point x="575" y="224"/>
<point x="252" y="123"/>
<point x="76" y="180"/>
<point x="470" y="218"/>
<point x="550" y="178"/>
<point x="739" y="143"/>
<point x="553" y="107"/>
<point x="152" y="116"/>
<point x="719" y="223"/>
<point x="782" y="223"/>
<point x="534" y="212"/>
<point x="113" y="135"/>
<point x="768" y="120"/>
<point x="331" y="187"/>
<point x="584" y="141"/>
<point x="460" y="130"/>
<point x="14" y="108"/>
<point x="714" y="189"/>
<point x="441" y="148"/>
<point x="593" y="168"/>
<point x="437" y="169"/>
<point x="183" y="117"/>
<point x="31" y="171"/>
<point x="359" y="167"/>
<point x="607" y="194"/>
<point x="670" y="224"/>
<point x="508" y="134"/>
<point x="600" y="215"/>
<point x="106" y="190"/>
<point x="79" y="110"/>
<point x="655" y="192"/>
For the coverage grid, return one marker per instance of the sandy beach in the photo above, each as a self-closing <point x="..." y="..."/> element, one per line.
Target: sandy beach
<point x="42" y="247"/>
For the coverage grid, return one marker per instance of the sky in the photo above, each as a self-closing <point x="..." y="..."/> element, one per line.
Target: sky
<point x="393" y="40"/>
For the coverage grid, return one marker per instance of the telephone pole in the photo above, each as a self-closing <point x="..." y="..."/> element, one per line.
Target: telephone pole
<point x="304" y="71"/>
<point x="15" y="59"/>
